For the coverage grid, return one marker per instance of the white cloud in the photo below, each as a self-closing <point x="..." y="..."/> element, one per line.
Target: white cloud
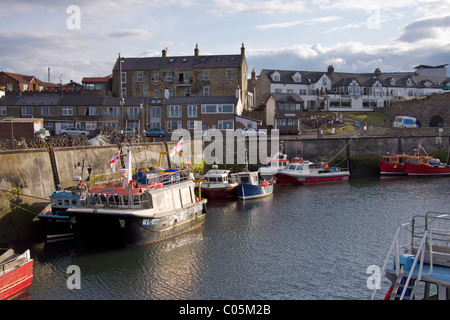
<point x="256" y="6"/>
<point x="297" y="22"/>
<point x="427" y="29"/>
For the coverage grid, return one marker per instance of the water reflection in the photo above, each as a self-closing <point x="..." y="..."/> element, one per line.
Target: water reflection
<point x="304" y="242"/>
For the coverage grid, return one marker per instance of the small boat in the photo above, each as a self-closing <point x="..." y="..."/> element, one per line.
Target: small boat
<point x="219" y="184"/>
<point x="272" y="165"/>
<point x="134" y="213"/>
<point x="418" y="261"/>
<point x="425" y="165"/>
<point x="56" y="222"/>
<point x="303" y="172"/>
<point x="250" y="186"/>
<point x="16" y="273"/>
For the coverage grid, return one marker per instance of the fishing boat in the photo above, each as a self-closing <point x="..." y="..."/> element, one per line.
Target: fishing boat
<point x="56" y="222"/>
<point x="303" y="172"/>
<point x="16" y="273"/>
<point x="418" y="261"/>
<point x="133" y="213"/>
<point x="425" y="166"/>
<point x="218" y="184"/>
<point x="393" y="164"/>
<point x="250" y="186"/>
<point x="272" y="165"/>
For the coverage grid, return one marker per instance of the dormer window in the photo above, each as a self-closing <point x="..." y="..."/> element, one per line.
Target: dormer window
<point x="276" y="76"/>
<point x="297" y="77"/>
<point x="392" y="81"/>
<point x="408" y="82"/>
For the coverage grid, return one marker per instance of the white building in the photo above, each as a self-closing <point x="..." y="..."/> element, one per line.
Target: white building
<point x="340" y="91"/>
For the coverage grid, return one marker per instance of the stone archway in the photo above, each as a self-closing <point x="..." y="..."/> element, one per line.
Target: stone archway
<point x="436" y="121"/>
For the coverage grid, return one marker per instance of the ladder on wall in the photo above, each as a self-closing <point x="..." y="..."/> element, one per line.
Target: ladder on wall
<point x="54" y="167"/>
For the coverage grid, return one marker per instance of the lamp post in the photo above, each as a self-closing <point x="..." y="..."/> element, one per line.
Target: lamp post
<point x="121" y="93"/>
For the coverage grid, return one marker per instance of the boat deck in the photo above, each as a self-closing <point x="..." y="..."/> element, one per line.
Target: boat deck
<point x="440" y="274"/>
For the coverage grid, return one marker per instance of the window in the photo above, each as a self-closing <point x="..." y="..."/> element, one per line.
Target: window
<point x="217" y="108"/>
<point x="225" y="124"/>
<point x="287" y="122"/>
<point x="324" y="81"/>
<point x="3" y="111"/>
<point x="111" y="111"/>
<point x="140" y="77"/>
<point x="229" y="74"/>
<point x="133" y="112"/>
<point x="156" y="78"/>
<point x="169" y="76"/>
<point x="278" y="91"/>
<point x="187" y="92"/>
<point x="67" y="111"/>
<point x="124" y="92"/>
<point x="90" y="111"/>
<point x="91" y="125"/>
<point x="155" y="113"/>
<point x="26" y="111"/>
<point x="173" y="125"/>
<point x="46" y="111"/>
<point x="145" y="92"/>
<point x="205" y="75"/>
<point x="173" y="111"/>
<point x="192" y="111"/>
<point x="206" y="91"/>
<point x="191" y="124"/>
<point x="124" y="77"/>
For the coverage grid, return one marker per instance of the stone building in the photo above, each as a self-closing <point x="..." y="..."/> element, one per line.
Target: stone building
<point x="183" y="76"/>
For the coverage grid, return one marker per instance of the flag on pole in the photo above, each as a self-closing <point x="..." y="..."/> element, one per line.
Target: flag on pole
<point x="114" y="161"/>
<point x="178" y="147"/>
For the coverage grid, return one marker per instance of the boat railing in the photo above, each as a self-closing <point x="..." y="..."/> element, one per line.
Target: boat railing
<point x="427" y="240"/>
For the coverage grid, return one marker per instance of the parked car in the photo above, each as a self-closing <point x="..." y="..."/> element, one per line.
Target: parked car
<point x="72" y="131"/>
<point x="129" y="130"/>
<point x="155" y="132"/>
<point x="251" y="132"/>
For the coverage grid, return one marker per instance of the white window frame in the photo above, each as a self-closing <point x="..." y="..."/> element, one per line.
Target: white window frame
<point x="206" y="91"/>
<point x="140" y="77"/>
<point x="67" y="111"/>
<point x="192" y="111"/>
<point x="3" y="111"/>
<point x="123" y="77"/>
<point x="221" y="122"/>
<point x="229" y="74"/>
<point x="205" y="75"/>
<point x="174" y="111"/>
<point x="46" y="111"/>
<point x="26" y="111"/>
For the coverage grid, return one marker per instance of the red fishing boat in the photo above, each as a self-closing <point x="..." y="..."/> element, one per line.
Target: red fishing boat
<point x="16" y="273"/>
<point x="393" y="164"/>
<point x="426" y="166"/>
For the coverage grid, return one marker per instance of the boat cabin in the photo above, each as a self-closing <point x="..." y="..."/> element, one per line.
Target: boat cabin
<point x="248" y="177"/>
<point x="395" y="159"/>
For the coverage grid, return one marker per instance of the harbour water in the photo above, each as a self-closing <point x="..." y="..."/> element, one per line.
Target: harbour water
<point x="302" y="243"/>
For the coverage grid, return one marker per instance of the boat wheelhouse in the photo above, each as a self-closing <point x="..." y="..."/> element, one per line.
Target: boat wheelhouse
<point x="393" y="164"/>
<point x="219" y="184"/>
<point x="272" y="165"/>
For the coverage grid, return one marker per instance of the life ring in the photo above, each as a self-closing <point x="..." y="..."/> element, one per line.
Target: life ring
<point x="265" y="184"/>
<point x="297" y="160"/>
<point x="82" y="185"/>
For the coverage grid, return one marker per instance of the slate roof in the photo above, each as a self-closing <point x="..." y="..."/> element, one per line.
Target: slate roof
<point x="180" y="62"/>
<point x="364" y="79"/>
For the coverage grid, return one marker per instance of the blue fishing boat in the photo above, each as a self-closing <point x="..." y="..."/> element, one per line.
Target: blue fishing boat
<point x="250" y="186"/>
<point x="418" y="261"/>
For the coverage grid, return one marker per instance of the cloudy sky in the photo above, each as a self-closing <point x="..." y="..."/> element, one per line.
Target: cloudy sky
<point x="83" y="38"/>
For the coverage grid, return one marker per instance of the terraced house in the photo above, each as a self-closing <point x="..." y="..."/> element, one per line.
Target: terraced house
<point x="342" y="91"/>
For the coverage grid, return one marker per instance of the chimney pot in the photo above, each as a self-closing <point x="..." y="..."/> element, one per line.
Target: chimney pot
<point x="196" y="50"/>
<point x="330" y="69"/>
<point x="164" y="53"/>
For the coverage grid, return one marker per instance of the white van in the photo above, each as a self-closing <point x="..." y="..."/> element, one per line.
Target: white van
<point x="405" y="122"/>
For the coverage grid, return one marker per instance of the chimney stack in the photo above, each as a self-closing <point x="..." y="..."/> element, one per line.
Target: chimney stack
<point x="196" y="50"/>
<point x="377" y="72"/>
<point x="330" y="69"/>
<point x="242" y="49"/>
<point x="253" y="74"/>
<point x="164" y="53"/>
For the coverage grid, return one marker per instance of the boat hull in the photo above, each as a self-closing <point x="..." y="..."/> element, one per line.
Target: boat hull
<point x="306" y="179"/>
<point x="387" y="168"/>
<point x="131" y="230"/>
<point x="249" y="191"/>
<point x="16" y="281"/>
<point x="427" y="170"/>
<point x="57" y="226"/>
<point x="217" y="193"/>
